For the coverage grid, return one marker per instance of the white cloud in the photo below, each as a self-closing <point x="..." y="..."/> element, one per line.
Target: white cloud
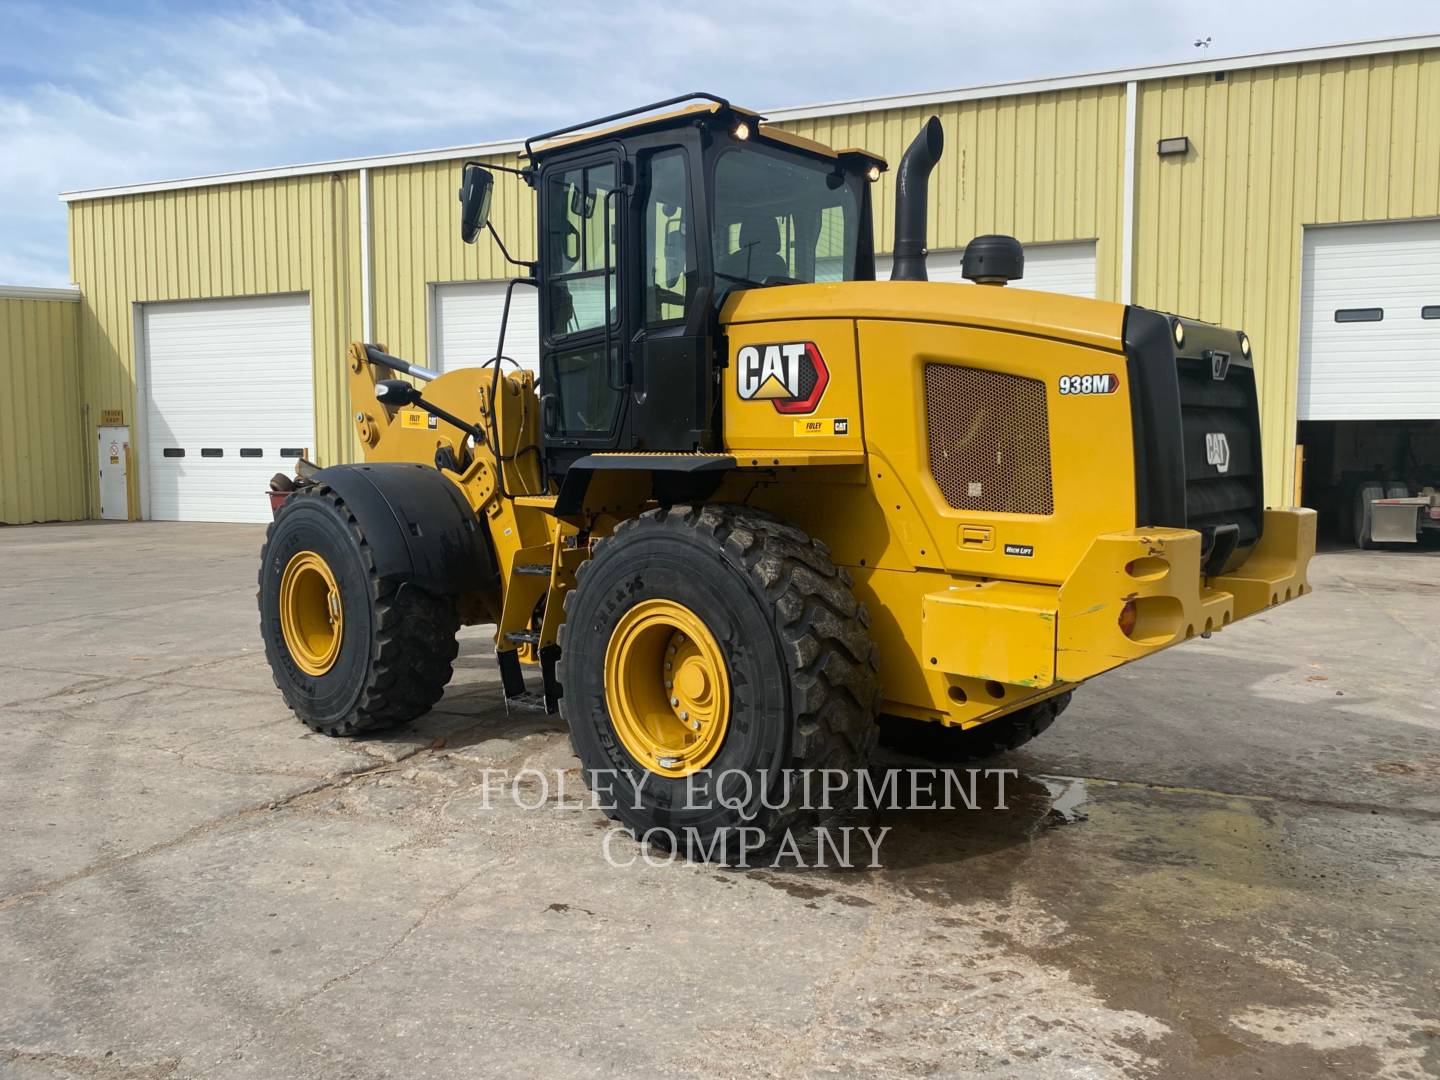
<point x="102" y="97"/>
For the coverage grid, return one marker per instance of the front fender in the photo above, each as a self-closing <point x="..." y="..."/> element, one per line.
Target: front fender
<point x="418" y="525"/>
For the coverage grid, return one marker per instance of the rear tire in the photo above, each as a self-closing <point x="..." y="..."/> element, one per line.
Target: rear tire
<point x="397" y="642"/>
<point x="1364" y="513"/>
<point x="941" y="743"/>
<point x="798" y="664"/>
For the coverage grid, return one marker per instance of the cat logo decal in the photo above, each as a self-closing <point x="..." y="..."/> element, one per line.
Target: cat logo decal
<point x="792" y="376"/>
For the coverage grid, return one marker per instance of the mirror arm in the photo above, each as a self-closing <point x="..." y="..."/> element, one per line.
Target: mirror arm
<point x="450" y="418"/>
<point x="527" y="173"/>
<point x="505" y="252"/>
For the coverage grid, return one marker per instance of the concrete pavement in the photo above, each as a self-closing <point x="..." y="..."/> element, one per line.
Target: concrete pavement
<point x="1220" y="862"/>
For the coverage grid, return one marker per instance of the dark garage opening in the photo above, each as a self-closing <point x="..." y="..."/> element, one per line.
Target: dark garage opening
<point x="1350" y="462"/>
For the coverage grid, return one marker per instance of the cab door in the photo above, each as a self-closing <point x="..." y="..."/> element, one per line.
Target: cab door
<point x="583" y="321"/>
<point x="671" y="356"/>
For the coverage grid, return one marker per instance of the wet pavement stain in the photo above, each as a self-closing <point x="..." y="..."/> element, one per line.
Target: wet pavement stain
<point x="1166" y="898"/>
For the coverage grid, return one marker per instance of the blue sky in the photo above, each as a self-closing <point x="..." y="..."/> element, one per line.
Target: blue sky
<point x="103" y="94"/>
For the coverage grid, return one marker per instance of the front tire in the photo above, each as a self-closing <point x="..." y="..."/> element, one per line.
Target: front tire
<point x="349" y="652"/>
<point x="795" y="663"/>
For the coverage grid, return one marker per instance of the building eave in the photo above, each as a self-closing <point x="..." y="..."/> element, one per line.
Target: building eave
<point x="35" y="292"/>
<point x="1115" y="77"/>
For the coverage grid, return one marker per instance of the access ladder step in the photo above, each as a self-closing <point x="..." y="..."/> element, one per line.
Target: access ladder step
<point x="534" y="569"/>
<point x="523" y="637"/>
<point x="530" y="702"/>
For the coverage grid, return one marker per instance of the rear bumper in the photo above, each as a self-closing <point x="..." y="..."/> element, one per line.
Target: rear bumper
<point x="1041" y="636"/>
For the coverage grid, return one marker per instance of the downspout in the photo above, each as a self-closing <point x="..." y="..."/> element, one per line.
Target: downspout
<point x="1127" y="209"/>
<point x="367" y="314"/>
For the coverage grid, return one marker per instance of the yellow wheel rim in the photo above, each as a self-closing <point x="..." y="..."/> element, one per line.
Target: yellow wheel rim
<point x="312" y="617"/>
<point x="667" y="688"/>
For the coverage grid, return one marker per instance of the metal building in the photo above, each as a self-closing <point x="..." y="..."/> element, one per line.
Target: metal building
<point x="1291" y="194"/>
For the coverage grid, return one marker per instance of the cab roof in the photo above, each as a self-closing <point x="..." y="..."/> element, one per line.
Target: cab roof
<point x="644" y="119"/>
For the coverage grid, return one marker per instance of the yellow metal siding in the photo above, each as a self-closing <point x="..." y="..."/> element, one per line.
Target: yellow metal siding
<point x="42" y="462"/>
<point x="1217" y="234"/>
<point x="415" y="229"/>
<point x="1219" y="231"/>
<point x="299" y="234"/>
<point x="1041" y="167"/>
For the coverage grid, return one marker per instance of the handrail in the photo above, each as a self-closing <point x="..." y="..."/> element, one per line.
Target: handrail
<point x="605" y="315"/>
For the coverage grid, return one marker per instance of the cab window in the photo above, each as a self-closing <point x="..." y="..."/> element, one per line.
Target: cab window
<point x="582" y="226"/>
<point x="669" y="267"/>
<point x="781" y="219"/>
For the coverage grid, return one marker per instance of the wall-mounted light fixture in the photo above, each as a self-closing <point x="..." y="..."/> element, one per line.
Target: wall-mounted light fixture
<point x="1180" y="144"/>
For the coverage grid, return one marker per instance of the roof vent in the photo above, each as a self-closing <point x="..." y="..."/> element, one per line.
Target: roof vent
<point x="993" y="260"/>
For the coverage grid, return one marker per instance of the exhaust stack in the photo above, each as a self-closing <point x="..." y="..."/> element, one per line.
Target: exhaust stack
<point x="912" y="188"/>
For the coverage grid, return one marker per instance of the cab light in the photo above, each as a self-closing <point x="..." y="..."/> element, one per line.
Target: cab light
<point x="1128" y="615"/>
<point x="1245" y="346"/>
<point x="872" y="173"/>
<point x="1179" y="334"/>
<point x="741" y="131"/>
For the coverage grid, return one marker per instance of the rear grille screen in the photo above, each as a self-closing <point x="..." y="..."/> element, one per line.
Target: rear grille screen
<point x="989" y="440"/>
<point x="1211" y="409"/>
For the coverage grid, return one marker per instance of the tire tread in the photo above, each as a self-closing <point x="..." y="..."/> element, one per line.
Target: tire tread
<point x="412" y="650"/>
<point x="822" y="629"/>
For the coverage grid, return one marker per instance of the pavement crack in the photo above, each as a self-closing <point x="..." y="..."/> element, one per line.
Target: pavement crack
<point x="1416" y="813"/>
<point x="130" y="611"/>
<point x="427" y="913"/>
<point x="197" y="832"/>
<point x="102" y="1068"/>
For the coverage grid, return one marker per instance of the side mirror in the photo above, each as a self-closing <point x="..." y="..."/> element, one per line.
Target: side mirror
<point x="476" y="185"/>
<point x="582" y="205"/>
<point x="674" y="253"/>
<point x="395" y="393"/>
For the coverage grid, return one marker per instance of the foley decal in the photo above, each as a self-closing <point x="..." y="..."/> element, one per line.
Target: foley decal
<point x="791" y="375"/>
<point x="838" y="425"/>
<point x="414" y="418"/>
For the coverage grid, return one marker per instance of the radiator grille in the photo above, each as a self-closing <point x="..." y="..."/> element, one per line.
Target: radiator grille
<point x="989" y="439"/>
<point x="1228" y="407"/>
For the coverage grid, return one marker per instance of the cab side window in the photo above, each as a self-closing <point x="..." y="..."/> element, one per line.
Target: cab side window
<point x="582" y="226"/>
<point x="669" y="268"/>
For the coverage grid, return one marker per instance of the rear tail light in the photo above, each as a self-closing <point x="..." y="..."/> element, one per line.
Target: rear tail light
<point x="1128" y="614"/>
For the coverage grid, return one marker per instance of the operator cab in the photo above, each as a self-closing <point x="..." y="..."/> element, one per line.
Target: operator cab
<point x="645" y="229"/>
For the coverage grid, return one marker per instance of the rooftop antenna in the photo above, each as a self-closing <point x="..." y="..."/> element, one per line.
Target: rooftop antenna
<point x="1203" y="43"/>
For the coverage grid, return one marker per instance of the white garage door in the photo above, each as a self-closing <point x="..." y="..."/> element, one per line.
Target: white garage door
<point x="1370" y="322"/>
<point x="467" y="325"/>
<point x="1063" y="268"/>
<point x="229" y="402"/>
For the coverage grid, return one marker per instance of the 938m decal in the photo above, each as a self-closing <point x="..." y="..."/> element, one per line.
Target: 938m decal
<point x="791" y="375"/>
<point x="1089" y="384"/>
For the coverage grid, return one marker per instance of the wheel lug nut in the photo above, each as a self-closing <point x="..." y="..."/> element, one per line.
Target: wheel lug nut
<point x="684" y="715"/>
<point x="676" y="701"/>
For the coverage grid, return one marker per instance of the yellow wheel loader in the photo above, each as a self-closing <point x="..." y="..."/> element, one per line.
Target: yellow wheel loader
<point x="756" y="505"/>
